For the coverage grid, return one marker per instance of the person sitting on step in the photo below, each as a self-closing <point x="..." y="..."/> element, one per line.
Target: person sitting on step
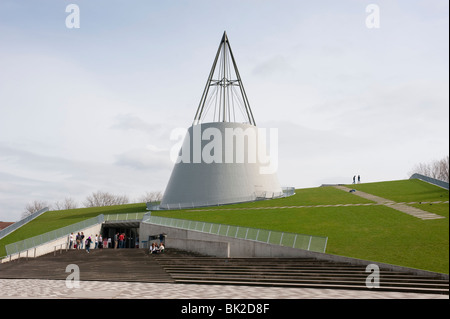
<point x="154" y="249"/>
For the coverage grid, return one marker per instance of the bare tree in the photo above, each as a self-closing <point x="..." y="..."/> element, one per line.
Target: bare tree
<point x="33" y="207"/>
<point x="67" y="203"/>
<point x="151" y="197"/>
<point x="100" y="198"/>
<point x="444" y="164"/>
<point x="436" y="169"/>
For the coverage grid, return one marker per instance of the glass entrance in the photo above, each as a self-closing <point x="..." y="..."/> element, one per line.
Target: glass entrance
<point x="131" y="236"/>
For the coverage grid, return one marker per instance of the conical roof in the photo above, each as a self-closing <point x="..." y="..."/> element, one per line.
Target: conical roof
<point x="224" y="98"/>
<point x="220" y="160"/>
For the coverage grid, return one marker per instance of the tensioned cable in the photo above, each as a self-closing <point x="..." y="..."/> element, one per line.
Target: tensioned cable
<point x="224" y="98"/>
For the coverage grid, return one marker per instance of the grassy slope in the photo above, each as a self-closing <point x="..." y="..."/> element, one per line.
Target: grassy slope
<point x="375" y="233"/>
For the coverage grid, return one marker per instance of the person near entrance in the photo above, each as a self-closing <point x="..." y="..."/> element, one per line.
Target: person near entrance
<point x="162" y="238"/>
<point x="121" y="240"/>
<point x="116" y="240"/>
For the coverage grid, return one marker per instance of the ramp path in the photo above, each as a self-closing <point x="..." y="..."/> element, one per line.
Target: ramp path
<point x="180" y="267"/>
<point x="402" y="207"/>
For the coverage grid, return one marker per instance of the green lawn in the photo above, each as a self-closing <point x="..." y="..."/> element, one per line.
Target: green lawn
<point x="306" y="197"/>
<point x="376" y="233"/>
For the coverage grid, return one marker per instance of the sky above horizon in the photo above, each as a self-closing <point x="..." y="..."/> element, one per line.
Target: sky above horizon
<point x="92" y="108"/>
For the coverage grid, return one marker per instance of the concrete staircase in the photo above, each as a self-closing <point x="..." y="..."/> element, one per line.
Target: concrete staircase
<point x="175" y="266"/>
<point x="132" y="265"/>
<point x="293" y="273"/>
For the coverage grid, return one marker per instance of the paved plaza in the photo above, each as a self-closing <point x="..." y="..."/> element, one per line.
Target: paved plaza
<point x="57" y="289"/>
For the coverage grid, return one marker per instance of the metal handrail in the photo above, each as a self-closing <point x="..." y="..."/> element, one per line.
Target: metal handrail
<point x="125" y="216"/>
<point x="29" y="243"/>
<point x="294" y="240"/>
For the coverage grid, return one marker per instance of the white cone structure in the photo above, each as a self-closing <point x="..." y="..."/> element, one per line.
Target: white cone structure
<point x="222" y="163"/>
<point x="224" y="160"/>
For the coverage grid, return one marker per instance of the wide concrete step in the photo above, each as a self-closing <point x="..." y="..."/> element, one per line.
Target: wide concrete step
<point x="174" y="266"/>
<point x="327" y="285"/>
<point x="132" y="265"/>
<point x="292" y="272"/>
<point x="337" y="279"/>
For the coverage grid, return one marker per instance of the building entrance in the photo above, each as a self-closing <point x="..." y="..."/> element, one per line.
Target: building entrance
<point x="131" y="236"/>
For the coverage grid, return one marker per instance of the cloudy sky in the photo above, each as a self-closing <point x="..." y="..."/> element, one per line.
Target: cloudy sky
<point x="92" y="108"/>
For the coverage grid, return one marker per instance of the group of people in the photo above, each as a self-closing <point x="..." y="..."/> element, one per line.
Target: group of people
<point x="78" y="242"/>
<point x="155" y="248"/>
<point x="354" y="179"/>
<point x="119" y="240"/>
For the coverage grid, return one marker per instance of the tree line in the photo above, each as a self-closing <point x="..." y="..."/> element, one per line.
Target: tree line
<point x="437" y="169"/>
<point x="96" y="199"/>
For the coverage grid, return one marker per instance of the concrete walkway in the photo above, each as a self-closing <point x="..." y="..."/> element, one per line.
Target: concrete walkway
<point x="402" y="207"/>
<point x="57" y="289"/>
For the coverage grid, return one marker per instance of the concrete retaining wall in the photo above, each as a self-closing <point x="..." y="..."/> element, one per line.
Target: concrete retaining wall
<point x="212" y="248"/>
<point x="179" y="238"/>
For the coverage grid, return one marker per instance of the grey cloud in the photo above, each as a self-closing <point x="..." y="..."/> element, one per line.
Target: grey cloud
<point x="275" y="66"/>
<point x="145" y="159"/>
<point x="133" y="122"/>
<point x="27" y="176"/>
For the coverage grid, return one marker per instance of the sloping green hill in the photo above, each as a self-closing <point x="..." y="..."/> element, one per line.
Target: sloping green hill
<point x="372" y="232"/>
<point x="355" y="226"/>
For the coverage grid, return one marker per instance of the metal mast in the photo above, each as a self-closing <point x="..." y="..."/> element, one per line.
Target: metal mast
<point x="221" y="95"/>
